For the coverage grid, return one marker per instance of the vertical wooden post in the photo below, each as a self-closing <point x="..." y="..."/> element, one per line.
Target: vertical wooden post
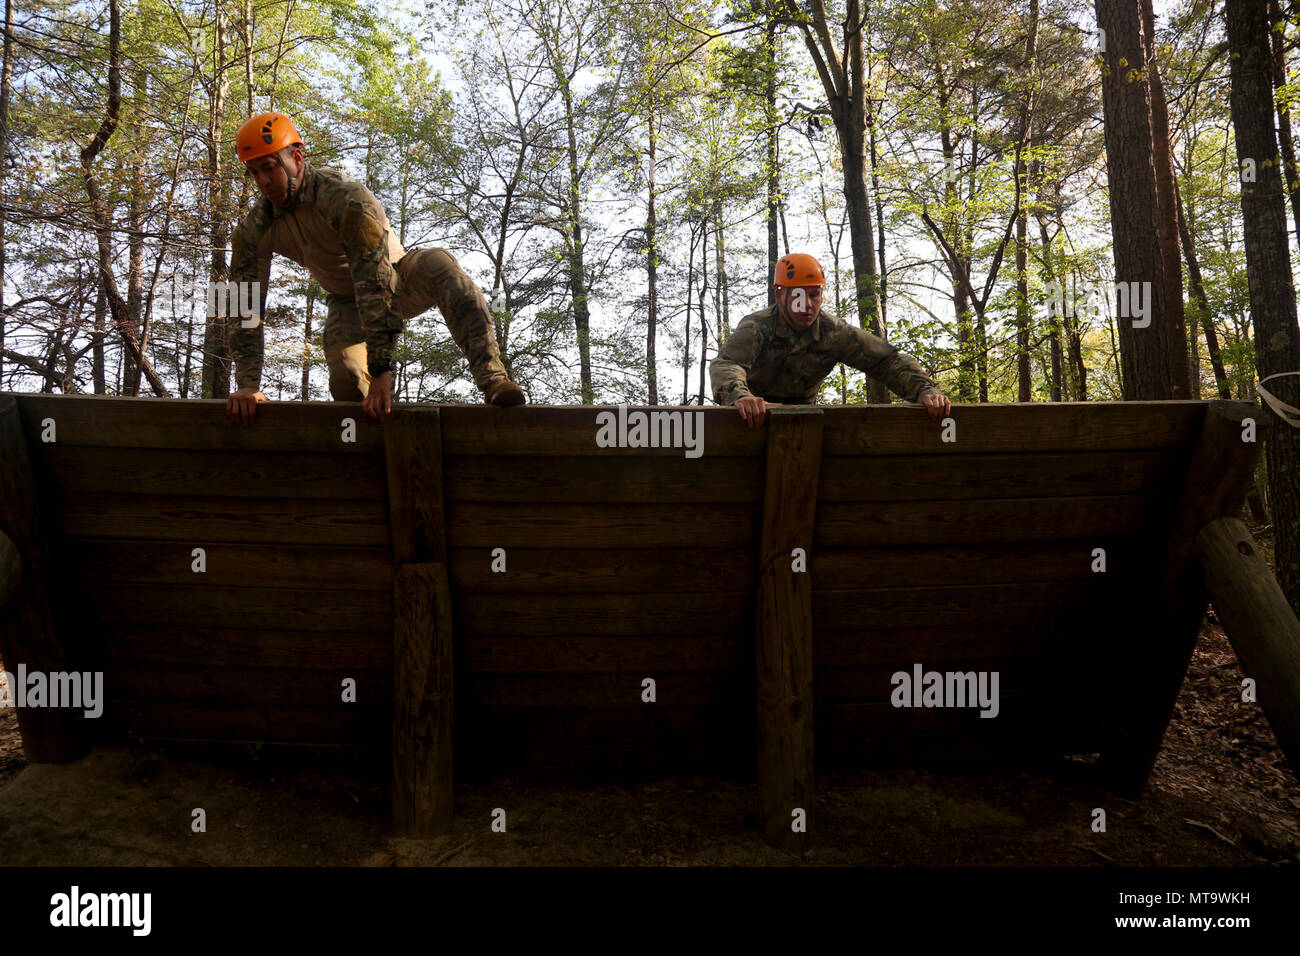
<point x="423" y="638"/>
<point x="28" y="636"/>
<point x="784" y="625"/>
<point x="1166" y="624"/>
<point x="1259" y="622"/>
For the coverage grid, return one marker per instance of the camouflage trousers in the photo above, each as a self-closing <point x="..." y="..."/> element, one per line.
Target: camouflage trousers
<point x="425" y="278"/>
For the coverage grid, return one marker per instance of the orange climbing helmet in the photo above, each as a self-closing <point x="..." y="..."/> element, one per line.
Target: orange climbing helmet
<point x="798" y="269"/>
<point x="264" y="134"/>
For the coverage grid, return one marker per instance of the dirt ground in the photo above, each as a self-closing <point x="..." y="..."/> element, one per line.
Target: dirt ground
<point x="1221" y="795"/>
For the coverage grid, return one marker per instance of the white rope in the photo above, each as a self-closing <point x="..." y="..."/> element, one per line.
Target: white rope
<point x="1288" y="413"/>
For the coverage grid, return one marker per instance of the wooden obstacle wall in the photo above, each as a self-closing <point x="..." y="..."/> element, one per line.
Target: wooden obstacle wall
<point x="623" y="564"/>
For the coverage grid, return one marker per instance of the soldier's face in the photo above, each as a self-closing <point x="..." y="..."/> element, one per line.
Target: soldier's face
<point x="271" y="178"/>
<point x="801" y="305"/>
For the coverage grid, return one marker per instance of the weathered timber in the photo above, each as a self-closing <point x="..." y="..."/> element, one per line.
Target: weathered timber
<point x="28" y="635"/>
<point x="202" y="425"/>
<point x="614" y="614"/>
<point x="873" y="643"/>
<point x="540" y="430"/>
<point x="163" y="720"/>
<point x="201" y="683"/>
<point x="616" y="477"/>
<point x="785" y="630"/>
<point x="1010" y="563"/>
<point x="422" y="702"/>
<point x="958" y="605"/>
<point x="104" y="560"/>
<point x="1259" y="622"/>
<point x="689" y="689"/>
<point x="542" y="525"/>
<point x="588" y="571"/>
<point x="232" y="648"/>
<point x="1022" y="428"/>
<point x="1164" y="620"/>
<point x="962" y="477"/>
<point x="646" y="655"/>
<point x="413" y="449"/>
<point x="244" y="520"/>
<point x="198" y="605"/>
<point x="843" y="524"/>
<point x="81" y="469"/>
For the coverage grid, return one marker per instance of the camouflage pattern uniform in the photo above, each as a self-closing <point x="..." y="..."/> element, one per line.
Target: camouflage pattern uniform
<point x="336" y="228"/>
<point x="767" y="358"/>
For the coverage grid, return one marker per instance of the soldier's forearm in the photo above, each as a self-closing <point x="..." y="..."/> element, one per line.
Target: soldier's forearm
<point x="729" y="381"/>
<point x="903" y="376"/>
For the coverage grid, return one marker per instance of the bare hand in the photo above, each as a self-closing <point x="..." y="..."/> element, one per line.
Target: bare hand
<point x="242" y="404"/>
<point x="937" y="405"/>
<point x="754" y="409"/>
<point x="379" y="399"/>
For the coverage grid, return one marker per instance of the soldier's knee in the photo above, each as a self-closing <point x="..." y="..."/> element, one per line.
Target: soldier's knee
<point x="349" y="380"/>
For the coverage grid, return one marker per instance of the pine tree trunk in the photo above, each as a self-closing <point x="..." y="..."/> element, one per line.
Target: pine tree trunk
<point x="1268" y="263"/>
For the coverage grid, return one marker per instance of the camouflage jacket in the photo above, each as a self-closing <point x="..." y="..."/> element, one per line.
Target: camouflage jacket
<point x="339" y="232"/>
<point x="767" y="358"/>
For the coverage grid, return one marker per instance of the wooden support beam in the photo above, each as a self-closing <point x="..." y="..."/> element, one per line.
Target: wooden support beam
<point x="422" y="702"/>
<point x="1165" y="621"/>
<point x="1260" y="623"/>
<point x="423" y="638"/>
<point x="413" y="451"/>
<point x="28" y="636"/>
<point x="785" y="629"/>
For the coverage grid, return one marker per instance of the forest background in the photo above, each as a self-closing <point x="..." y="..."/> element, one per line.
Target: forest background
<point x="617" y="176"/>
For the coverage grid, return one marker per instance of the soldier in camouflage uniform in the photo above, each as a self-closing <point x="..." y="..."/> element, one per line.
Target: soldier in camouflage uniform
<point x="781" y="355"/>
<point x="335" y="227"/>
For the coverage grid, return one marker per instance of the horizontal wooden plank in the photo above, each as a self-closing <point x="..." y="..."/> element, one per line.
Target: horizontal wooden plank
<point x="611" y="614"/>
<point x="603" y="691"/>
<point x="1033" y="475"/>
<point x="839" y="568"/>
<point x="642" y="655"/>
<point x="612" y="526"/>
<point x="1016" y="427"/>
<point x="370" y="759"/>
<point x="649" y="723"/>
<point x="250" y="686"/>
<point x="202" y="425"/>
<point x="1039" y="723"/>
<point x="369" y="726"/>
<point x="577" y="479"/>
<point x="168" y="471"/>
<point x="870" y="643"/>
<point x="275" y="609"/>
<point x="914" y="523"/>
<point x="591" y="571"/>
<point x="959" y="605"/>
<point x="1015" y="677"/>
<point x="225" y="647"/>
<point x="265" y="565"/>
<point x="539" y="430"/>
<point x="202" y="520"/>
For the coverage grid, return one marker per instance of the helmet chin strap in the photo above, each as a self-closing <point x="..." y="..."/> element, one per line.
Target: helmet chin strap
<point x="293" y="182"/>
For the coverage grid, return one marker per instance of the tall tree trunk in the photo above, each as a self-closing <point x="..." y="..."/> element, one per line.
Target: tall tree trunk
<point x="1025" y="391"/>
<point x="122" y="318"/>
<point x="1284" y="114"/>
<point x="652" y="266"/>
<point x="6" y="76"/>
<point x="1268" y="262"/>
<point x="135" y="241"/>
<point x="97" y="342"/>
<point x="721" y="307"/>
<point x="704" y="291"/>
<point x="1200" y="301"/>
<point x="686" y="340"/>
<point x="306" y="341"/>
<point x="216" y="336"/>
<point x="883" y="275"/>
<point x="1154" y="357"/>
<point x="773" y="158"/>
